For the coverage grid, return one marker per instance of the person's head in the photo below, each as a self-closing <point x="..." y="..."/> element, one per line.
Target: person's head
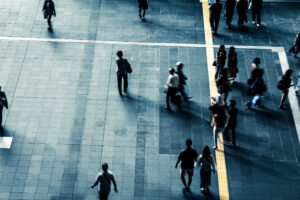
<point x="188" y="143"/>
<point x="179" y="65"/>
<point x="105" y="167"/>
<point x="298" y="35"/>
<point x="231" y="49"/>
<point x="206" y="152"/>
<point x="171" y="70"/>
<point x="256" y="61"/>
<point x="120" y="54"/>
<point x="222" y="46"/>
<point x="232" y="103"/>
<point x="289" y="72"/>
<point x="217" y="1"/>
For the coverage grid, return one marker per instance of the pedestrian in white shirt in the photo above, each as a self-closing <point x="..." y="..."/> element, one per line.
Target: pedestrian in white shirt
<point x="104" y="180"/>
<point x="172" y="87"/>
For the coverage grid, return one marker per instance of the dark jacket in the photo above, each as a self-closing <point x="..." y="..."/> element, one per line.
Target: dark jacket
<point x="215" y="9"/>
<point x="182" y="77"/>
<point x="257" y="4"/>
<point x="297" y="40"/>
<point x="51" y="9"/>
<point x="122" y="65"/>
<point x="221" y="58"/>
<point x="229" y="5"/>
<point x="3" y="99"/>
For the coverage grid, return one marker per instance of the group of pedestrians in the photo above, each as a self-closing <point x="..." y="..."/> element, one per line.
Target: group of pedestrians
<point x="242" y="7"/>
<point x="189" y="160"/>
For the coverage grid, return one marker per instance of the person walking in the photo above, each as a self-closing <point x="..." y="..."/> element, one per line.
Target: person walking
<point x="219" y="118"/>
<point x="229" y="11"/>
<point x="3" y="103"/>
<point x="104" y="180"/>
<point x="207" y="164"/>
<point x="242" y="7"/>
<point x="187" y="157"/>
<point x="223" y="84"/>
<point x="122" y="70"/>
<point x="172" y="87"/>
<point x="182" y="80"/>
<point x="221" y="60"/>
<point x="232" y="64"/>
<point x="49" y="10"/>
<point x="231" y="123"/>
<point x="215" y="12"/>
<point x="256" y="71"/>
<point x="143" y="5"/>
<point x="257" y="6"/>
<point x="284" y="85"/>
<point x="298" y="85"/>
<point x="296" y="47"/>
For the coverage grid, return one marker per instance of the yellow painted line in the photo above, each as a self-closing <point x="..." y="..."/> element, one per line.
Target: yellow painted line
<point x="220" y="156"/>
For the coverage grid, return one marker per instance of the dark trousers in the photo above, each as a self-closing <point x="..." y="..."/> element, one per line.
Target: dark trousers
<point x="256" y="13"/>
<point x="229" y="14"/>
<point x="182" y="92"/>
<point x="242" y="18"/>
<point x="226" y="136"/>
<point x="170" y="93"/>
<point x="1" y="109"/>
<point x="120" y="77"/>
<point x="214" y="22"/>
<point x="103" y="196"/>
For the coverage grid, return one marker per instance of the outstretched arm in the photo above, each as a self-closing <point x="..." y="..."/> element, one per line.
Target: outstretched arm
<point x="177" y="163"/>
<point x="96" y="183"/>
<point x="115" y="184"/>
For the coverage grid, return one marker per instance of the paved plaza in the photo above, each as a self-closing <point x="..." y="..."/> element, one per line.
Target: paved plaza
<point x="66" y="116"/>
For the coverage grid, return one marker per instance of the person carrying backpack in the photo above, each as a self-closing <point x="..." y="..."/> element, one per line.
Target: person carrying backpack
<point x="123" y="68"/>
<point x="284" y="84"/>
<point x="49" y="10"/>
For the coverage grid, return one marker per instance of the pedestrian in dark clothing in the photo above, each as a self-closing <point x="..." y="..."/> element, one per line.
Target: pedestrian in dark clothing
<point x="223" y="84"/>
<point x="49" y="10"/>
<point x="257" y="6"/>
<point x="3" y="103"/>
<point x="231" y="123"/>
<point x="207" y="164"/>
<point x="123" y="68"/>
<point x="221" y="60"/>
<point x="255" y="71"/>
<point x="232" y="64"/>
<point x="182" y="80"/>
<point x="188" y="158"/>
<point x="143" y="5"/>
<point x="104" y="180"/>
<point x="229" y="10"/>
<point x="242" y="7"/>
<point x="256" y="90"/>
<point x="296" y="47"/>
<point x="284" y="85"/>
<point x="215" y="12"/>
<point x="172" y="87"/>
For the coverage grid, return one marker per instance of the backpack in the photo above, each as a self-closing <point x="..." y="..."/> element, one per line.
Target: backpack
<point x="281" y="85"/>
<point x="128" y="67"/>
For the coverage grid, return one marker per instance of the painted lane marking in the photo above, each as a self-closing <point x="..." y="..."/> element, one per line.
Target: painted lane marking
<point x="220" y="154"/>
<point x="5" y="142"/>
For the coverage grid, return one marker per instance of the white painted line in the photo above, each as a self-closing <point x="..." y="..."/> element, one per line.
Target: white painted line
<point x="5" y="142"/>
<point x="130" y="43"/>
<point x="292" y="96"/>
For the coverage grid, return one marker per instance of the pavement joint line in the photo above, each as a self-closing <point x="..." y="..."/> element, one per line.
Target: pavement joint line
<point x="220" y="154"/>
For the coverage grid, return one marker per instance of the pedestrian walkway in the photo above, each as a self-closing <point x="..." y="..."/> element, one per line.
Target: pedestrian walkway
<point x="67" y="118"/>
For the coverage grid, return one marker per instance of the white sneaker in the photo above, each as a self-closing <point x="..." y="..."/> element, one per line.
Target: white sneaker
<point x="258" y="25"/>
<point x="253" y="22"/>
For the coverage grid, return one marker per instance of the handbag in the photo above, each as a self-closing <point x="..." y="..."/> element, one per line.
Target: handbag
<point x="45" y="14"/>
<point x="128" y="67"/>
